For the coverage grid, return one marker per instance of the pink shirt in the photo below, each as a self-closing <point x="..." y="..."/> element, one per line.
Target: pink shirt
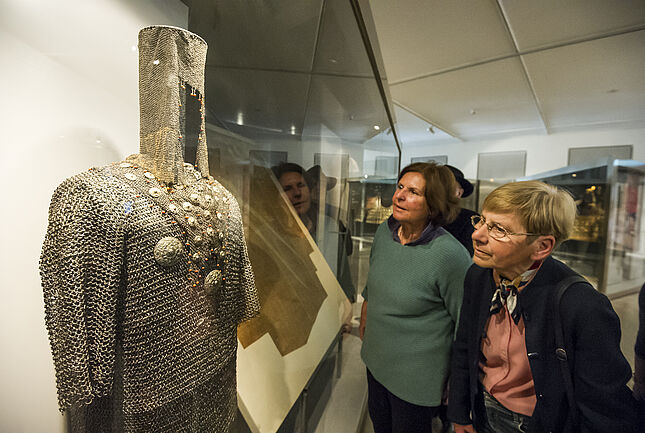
<point x="506" y="372"/>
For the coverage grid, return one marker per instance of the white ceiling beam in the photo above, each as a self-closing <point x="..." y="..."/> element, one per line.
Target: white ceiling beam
<point x="536" y="99"/>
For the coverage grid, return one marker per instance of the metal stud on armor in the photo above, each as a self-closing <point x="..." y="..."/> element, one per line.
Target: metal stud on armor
<point x="143" y="289"/>
<point x="168" y="251"/>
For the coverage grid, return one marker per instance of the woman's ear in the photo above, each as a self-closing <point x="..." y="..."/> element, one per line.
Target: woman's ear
<point x="543" y="246"/>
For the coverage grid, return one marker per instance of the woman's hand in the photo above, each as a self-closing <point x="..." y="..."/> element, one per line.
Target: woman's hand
<point x="361" y="327"/>
<point x="464" y="428"/>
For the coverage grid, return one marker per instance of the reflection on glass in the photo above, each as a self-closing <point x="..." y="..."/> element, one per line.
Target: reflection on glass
<point x="290" y="293"/>
<point x="303" y="189"/>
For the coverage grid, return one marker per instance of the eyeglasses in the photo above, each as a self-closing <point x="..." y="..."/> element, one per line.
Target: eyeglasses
<point x="496" y="231"/>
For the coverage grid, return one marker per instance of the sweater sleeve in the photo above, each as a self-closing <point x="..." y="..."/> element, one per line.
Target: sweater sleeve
<point x="600" y="371"/>
<point x="455" y="263"/>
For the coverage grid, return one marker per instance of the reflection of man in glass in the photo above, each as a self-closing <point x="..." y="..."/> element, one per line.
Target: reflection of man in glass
<point x="298" y="185"/>
<point x="293" y="180"/>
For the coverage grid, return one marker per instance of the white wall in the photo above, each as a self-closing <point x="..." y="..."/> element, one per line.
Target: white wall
<point x="544" y="152"/>
<point x="69" y="101"/>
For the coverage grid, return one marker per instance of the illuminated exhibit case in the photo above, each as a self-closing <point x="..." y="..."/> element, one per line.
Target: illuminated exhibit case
<point x="607" y="245"/>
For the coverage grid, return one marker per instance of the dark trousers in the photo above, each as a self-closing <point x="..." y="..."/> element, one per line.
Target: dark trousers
<point x="390" y="414"/>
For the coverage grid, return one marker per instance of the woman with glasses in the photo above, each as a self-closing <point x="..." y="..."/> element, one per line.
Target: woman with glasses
<point x="506" y="374"/>
<point x="412" y="300"/>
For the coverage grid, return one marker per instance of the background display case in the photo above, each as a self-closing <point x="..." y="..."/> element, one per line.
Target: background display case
<point x="370" y="203"/>
<point x="607" y="245"/>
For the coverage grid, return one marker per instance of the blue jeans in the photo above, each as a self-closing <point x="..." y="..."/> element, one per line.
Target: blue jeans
<point x="502" y="420"/>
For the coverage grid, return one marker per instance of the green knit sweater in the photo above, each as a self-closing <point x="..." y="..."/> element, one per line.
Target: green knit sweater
<point x="414" y="296"/>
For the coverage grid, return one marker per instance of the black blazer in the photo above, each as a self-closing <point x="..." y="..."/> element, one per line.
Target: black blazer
<point x="592" y="338"/>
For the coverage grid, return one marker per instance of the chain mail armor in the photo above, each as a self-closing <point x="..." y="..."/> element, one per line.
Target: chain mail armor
<point x="145" y="281"/>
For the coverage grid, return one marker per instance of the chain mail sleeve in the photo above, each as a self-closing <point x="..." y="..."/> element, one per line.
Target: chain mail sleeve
<point x="81" y="269"/>
<point x="248" y="305"/>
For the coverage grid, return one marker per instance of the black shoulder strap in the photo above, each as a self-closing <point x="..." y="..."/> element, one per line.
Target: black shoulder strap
<point x="560" y="351"/>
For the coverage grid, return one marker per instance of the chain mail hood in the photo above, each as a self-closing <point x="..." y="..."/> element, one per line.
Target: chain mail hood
<point x="171" y="64"/>
<point x="145" y="281"/>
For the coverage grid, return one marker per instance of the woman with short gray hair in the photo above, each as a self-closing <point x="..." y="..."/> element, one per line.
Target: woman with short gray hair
<point x="508" y="375"/>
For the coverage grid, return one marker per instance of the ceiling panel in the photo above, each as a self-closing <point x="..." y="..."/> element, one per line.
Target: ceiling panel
<point x="601" y="81"/>
<point x="346" y="107"/>
<point x="547" y="22"/>
<point x="496" y="92"/>
<point x="340" y="47"/>
<point x="413" y="129"/>
<point x="264" y="100"/>
<point x="419" y="37"/>
<point x="258" y="34"/>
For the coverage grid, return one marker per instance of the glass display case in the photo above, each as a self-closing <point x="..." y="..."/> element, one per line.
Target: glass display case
<point x="370" y="203"/>
<point x="607" y="245"/>
<point x="297" y="85"/>
<point x="300" y="97"/>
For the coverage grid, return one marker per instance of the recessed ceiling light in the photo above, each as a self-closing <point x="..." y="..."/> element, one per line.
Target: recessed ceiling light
<point x="240" y="118"/>
<point x="377" y="127"/>
<point x="293" y="130"/>
<point x="574" y="175"/>
<point x="332" y="60"/>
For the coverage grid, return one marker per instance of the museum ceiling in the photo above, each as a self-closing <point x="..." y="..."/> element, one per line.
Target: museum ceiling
<point x="463" y="70"/>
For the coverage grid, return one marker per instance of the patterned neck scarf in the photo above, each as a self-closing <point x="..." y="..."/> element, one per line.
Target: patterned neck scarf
<point x="507" y="293"/>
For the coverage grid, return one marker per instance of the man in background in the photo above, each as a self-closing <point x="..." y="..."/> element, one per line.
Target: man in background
<point x="461" y="228"/>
